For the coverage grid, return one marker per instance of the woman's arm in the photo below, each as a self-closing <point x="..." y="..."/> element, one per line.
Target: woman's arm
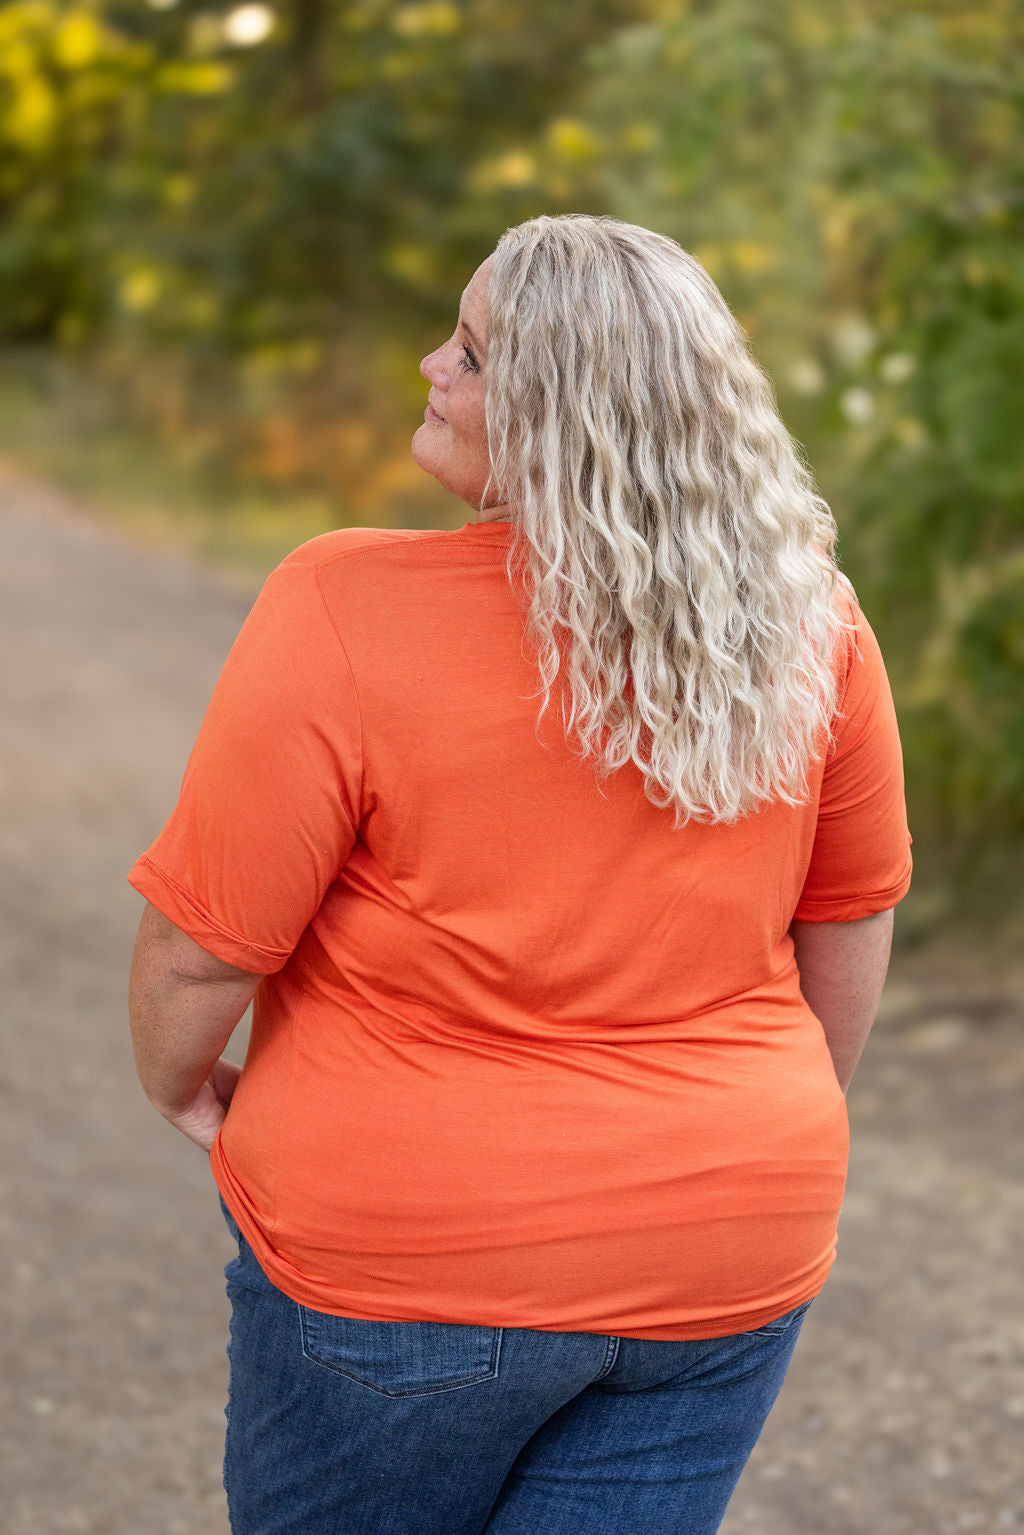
<point x="183" y="1005"/>
<point x="842" y="971"/>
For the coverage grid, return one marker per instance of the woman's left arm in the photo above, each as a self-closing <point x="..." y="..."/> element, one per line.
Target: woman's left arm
<point x="183" y="1006"/>
<point x="842" y="969"/>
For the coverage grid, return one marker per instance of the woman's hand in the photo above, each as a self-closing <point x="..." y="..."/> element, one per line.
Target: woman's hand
<point x="183" y="1004"/>
<point x="208" y="1109"/>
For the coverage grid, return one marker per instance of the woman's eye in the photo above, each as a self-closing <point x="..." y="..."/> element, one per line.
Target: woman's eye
<point x="469" y="362"/>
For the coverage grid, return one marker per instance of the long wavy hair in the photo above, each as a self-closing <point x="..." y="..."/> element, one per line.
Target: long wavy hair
<point x="677" y="559"/>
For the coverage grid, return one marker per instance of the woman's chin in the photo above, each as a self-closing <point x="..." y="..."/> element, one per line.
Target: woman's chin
<point x="425" y="456"/>
<point x="419" y="447"/>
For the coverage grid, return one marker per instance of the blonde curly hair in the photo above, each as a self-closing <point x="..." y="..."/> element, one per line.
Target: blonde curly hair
<point x="676" y="555"/>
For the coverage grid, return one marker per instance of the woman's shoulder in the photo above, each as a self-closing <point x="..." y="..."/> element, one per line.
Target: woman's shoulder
<point x="327" y="548"/>
<point x="858" y="660"/>
<point x="845" y="598"/>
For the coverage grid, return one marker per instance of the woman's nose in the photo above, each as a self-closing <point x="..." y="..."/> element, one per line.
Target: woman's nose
<point x="433" y="370"/>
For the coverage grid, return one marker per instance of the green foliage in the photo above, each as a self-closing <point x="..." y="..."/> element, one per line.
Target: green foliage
<point x="853" y="177"/>
<point x="249" y="222"/>
<point x="251" y="193"/>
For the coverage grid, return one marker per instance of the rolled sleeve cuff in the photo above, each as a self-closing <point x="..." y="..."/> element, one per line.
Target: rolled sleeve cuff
<point x="852" y="908"/>
<point x="179" y="907"/>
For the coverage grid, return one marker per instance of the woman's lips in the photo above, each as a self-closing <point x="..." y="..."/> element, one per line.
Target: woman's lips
<point x="430" y="414"/>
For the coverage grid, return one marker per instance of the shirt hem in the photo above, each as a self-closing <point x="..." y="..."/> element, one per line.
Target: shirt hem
<point x="304" y="1293"/>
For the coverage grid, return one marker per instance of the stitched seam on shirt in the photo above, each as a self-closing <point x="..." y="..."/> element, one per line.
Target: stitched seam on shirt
<point x="398" y="545"/>
<point x="355" y="693"/>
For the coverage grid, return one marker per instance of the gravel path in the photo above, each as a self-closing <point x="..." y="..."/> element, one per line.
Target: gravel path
<point x="904" y="1407"/>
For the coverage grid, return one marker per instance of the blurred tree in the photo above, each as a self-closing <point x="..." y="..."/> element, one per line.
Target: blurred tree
<point x="259" y="214"/>
<point x="259" y="171"/>
<point x="853" y="178"/>
<point x="270" y="201"/>
<point x="64" y="81"/>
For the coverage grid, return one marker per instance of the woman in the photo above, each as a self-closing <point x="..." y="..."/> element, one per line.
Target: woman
<point x="536" y="1159"/>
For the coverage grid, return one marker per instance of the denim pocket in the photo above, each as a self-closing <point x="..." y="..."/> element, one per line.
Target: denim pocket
<point x="782" y="1324"/>
<point x="401" y="1358"/>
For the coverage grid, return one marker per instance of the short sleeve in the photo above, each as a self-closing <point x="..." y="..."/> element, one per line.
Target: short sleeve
<point x="860" y="861"/>
<point x="269" y="804"/>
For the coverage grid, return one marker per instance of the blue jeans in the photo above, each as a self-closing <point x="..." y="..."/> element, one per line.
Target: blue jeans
<point x="338" y="1426"/>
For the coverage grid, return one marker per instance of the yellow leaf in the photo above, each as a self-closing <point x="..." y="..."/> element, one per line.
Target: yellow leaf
<point x="32" y="116"/>
<point x="573" y="140"/>
<point x="515" y="169"/>
<point x="17" y="58"/>
<point x="199" y="79"/>
<point x="753" y="256"/>
<point x="140" y="289"/>
<point x="21" y="18"/>
<point x="438" y="19"/>
<point x="77" y="40"/>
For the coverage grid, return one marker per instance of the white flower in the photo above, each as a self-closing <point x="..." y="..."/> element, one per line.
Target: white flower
<point x="897" y="367"/>
<point x="853" y="339"/>
<point x="807" y="376"/>
<point x="857" y="405"/>
<point x="248" y="24"/>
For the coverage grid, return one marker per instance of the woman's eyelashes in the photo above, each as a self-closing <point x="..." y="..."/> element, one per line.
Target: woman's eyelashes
<point x="468" y="361"/>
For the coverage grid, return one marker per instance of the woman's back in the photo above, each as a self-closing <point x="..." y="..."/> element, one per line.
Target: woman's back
<point x="554" y="1010"/>
<point x="535" y="1056"/>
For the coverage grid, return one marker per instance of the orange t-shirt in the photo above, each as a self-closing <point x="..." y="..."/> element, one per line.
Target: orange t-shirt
<point x="524" y="1054"/>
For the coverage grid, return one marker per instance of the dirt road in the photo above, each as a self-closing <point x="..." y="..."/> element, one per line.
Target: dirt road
<point x="904" y="1408"/>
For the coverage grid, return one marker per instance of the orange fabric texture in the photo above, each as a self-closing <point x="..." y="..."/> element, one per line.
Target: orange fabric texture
<point x="523" y="1054"/>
